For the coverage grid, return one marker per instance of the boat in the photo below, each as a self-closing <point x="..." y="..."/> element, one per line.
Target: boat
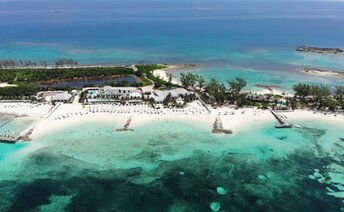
<point x="284" y="126"/>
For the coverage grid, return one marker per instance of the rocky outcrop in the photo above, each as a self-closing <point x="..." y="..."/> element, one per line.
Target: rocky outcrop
<point x="319" y="50"/>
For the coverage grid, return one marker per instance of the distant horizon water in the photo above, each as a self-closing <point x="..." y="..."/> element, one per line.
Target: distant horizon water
<point x="227" y="36"/>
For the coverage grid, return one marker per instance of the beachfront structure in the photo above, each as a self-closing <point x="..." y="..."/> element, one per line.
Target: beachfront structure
<point x="54" y="96"/>
<point x="62" y="97"/>
<point x="159" y="96"/>
<point x="109" y="92"/>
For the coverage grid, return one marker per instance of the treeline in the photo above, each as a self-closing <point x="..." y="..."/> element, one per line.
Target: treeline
<point x="18" y="92"/>
<point x="124" y="84"/>
<point x="318" y="96"/>
<point x="66" y="62"/>
<point x="41" y="75"/>
<point x="7" y="64"/>
<point x="11" y="64"/>
<point x="214" y="92"/>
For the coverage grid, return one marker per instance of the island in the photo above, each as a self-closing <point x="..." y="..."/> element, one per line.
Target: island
<point x="63" y="95"/>
<point x="319" y="50"/>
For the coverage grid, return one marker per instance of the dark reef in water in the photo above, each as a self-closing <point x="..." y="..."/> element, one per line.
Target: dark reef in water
<point x="313" y="136"/>
<point x="184" y="185"/>
<point x="319" y="50"/>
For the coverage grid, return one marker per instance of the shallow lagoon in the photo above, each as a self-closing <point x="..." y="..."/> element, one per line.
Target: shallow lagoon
<point x="176" y="166"/>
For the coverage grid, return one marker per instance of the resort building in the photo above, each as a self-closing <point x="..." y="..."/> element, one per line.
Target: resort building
<point x="54" y="96"/>
<point x="178" y="93"/>
<point x="109" y="92"/>
<point x="62" y="97"/>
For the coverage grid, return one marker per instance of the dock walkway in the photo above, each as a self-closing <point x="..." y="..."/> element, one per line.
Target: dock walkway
<point x="282" y="121"/>
<point x="25" y="134"/>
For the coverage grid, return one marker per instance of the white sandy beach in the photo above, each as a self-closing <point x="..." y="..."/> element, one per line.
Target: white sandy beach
<point x="162" y="74"/>
<point x="4" y="84"/>
<point x="324" y="73"/>
<point x="69" y="115"/>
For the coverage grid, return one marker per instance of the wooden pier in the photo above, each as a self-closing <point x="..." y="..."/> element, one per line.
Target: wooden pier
<point x="9" y="139"/>
<point x="25" y="134"/>
<point x="282" y="121"/>
<point x="218" y="127"/>
<point x="126" y="126"/>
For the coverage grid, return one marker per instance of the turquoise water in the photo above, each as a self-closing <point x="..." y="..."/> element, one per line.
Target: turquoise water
<point x="15" y="126"/>
<point x="177" y="166"/>
<point x="6" y="149"/>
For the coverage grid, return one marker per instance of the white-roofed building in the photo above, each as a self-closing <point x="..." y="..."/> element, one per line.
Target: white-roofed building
<point x="61" y="97"/>
<point x="119" y="92"/>
<point x="54" y="96"/>
<point x="160" y="96"/>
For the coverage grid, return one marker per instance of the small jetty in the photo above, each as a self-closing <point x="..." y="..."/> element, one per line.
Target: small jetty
<point x="9" y="139"/>
<point x="126" y="126"/>
<point x="26" y="133"/>
<point x="218" y="127"/>
<point x="23" y="136"/>
<point x="282" y="121"/>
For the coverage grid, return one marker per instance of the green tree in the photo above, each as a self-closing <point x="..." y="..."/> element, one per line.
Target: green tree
<point x="200" y="81"/>
<point x="217" y="91"/>
<point x="167" y="99"/>
<point x="302" y="90"/>
<point x="188" y="80"/>
<point x="235" y="86"/>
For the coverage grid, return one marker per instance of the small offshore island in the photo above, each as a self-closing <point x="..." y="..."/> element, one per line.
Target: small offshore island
<point x="319" y="50"/>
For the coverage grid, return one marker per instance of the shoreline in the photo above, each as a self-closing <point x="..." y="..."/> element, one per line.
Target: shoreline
<point x="237" y="120"/>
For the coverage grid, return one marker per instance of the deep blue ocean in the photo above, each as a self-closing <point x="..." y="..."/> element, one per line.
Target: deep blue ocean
<point x="167" y="31"/>
<point x="228" y="38"/>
